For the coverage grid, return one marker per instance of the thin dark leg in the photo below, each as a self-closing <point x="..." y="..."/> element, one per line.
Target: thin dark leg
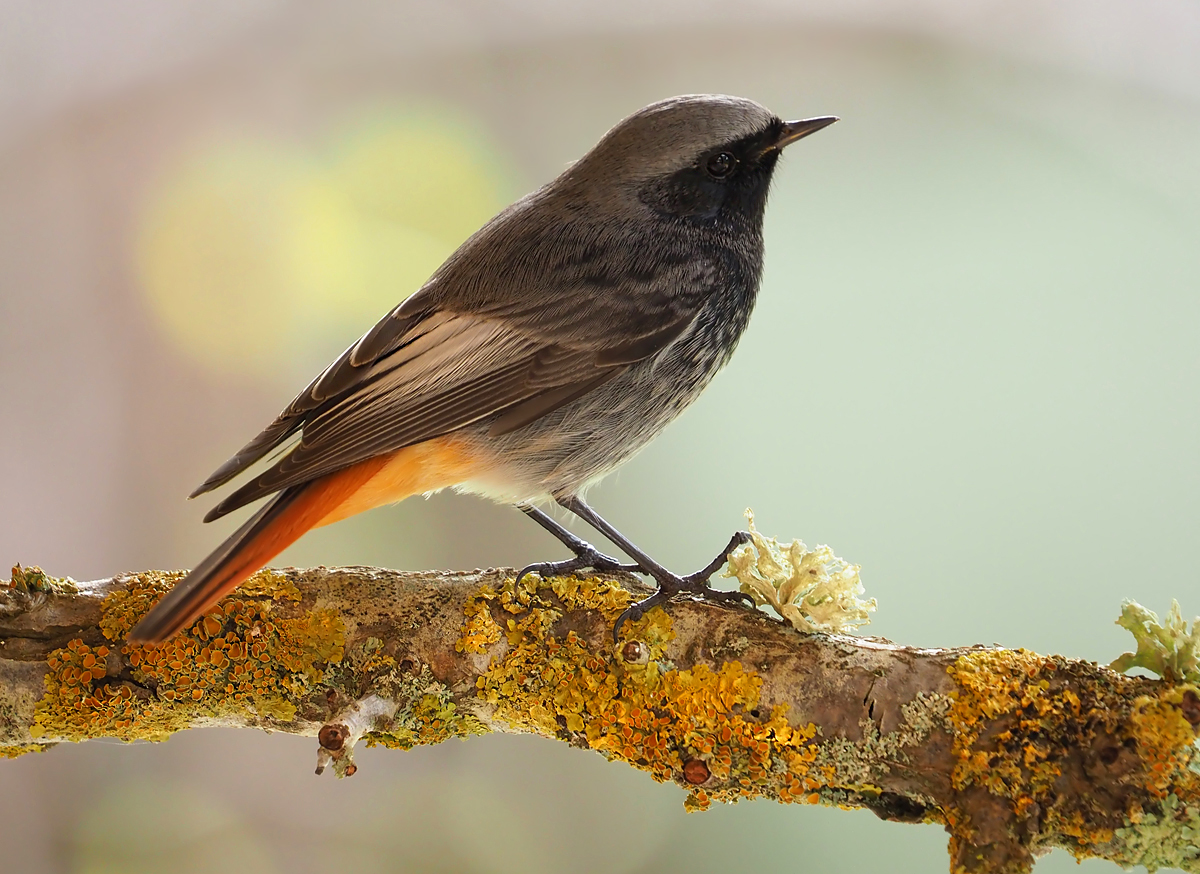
<point x="586" y="555"/>
<point x="669" y="584"/>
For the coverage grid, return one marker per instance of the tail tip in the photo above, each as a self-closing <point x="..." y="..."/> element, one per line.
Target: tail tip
<point x="148" y="632"/>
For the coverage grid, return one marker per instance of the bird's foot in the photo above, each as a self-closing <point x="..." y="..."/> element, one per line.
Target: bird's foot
<point x="694" y="586"/>
<point x="587" y="557"/>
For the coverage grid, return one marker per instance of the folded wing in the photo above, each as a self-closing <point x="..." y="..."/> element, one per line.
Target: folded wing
<point x="488" y="335"/>
<point x="451" y="371"/>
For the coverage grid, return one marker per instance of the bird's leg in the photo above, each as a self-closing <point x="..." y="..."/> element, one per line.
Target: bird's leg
<point x="586" y="555"/>
<point x="669" y="584"/>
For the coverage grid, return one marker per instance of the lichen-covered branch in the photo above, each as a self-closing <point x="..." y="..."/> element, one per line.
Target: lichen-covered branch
<point x="1014" y="753"/>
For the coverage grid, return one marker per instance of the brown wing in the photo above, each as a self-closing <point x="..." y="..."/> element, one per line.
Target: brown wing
<point x="453" y="373"/>
<point x="414" y="328"/>
<point x="352" y="366"/>
<point x="534" y="311"/>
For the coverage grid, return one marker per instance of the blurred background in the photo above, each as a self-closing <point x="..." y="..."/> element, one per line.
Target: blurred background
<point x="973" y="369"/>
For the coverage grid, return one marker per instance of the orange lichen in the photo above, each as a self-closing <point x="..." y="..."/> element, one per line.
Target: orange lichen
<point x="1165" y="741"/>
<point x="1017" y="717"/>
<point x="33" y="579"/>
<point x="480" y="630"/>
<point x="645" y="712"/>
<point x="995" y="683"/>
<point x="239" y="658"/>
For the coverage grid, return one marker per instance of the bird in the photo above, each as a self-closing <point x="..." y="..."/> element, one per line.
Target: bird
<point x="548" y="349"/>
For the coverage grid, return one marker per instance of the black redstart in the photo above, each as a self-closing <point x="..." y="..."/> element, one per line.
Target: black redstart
<point x="552" y="346"/>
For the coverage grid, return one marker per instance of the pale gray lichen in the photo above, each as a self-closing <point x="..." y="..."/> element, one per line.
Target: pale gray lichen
<point x="1170" y="839"/>
<point x="349" y="726"/>
<point x="426" y="713"/>
<point x="860" y="764"/>
<point x="1168" y="648"/>
<point x="812" y="589"/>
<point x="730" y="649"/>
<point x="402" y="706"/>
<point x="17" y="705"/>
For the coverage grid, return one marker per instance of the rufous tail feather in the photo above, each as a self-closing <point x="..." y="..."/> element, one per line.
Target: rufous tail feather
<point x="271" y="530"/>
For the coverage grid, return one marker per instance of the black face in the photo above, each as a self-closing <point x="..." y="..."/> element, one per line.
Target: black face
<point x="726" y="184"/>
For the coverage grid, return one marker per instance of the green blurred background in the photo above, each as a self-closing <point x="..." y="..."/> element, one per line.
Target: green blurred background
<point x="973" y="369"/>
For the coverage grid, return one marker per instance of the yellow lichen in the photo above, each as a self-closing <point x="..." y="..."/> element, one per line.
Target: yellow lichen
<point x="578" y="593"/>
<point x="633" y="705"/>
<point x="993" y="683"/>
<point x="1017" y="716"/>
<point x="1165" y="741"/>
<point x="239" y="658"/>
<point x="15" y="750"/>
<point x="33" y="579"/>
<point x="480" y="630"/>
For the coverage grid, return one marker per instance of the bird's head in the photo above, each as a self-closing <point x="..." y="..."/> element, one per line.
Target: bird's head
<point x="692" y="157"/>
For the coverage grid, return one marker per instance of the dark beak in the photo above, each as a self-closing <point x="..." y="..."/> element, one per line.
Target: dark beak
<point x="798" y="130"/>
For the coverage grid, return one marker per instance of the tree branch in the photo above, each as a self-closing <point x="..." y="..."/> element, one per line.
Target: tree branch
<point x="1014" y="753"/>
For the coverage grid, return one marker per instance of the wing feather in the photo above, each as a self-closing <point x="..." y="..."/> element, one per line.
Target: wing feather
<point x="489" y="334"/>
<point x="458" y="373"/>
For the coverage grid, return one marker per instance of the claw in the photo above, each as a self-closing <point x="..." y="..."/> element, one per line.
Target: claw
<point x="696" y="585"/>
<point x="699" y="579"/>
<point x="636" y="611"/>
<point x="585" y="559"/>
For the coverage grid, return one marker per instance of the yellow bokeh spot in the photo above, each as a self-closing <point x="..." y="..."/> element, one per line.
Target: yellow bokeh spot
<point x="258" y="257"/>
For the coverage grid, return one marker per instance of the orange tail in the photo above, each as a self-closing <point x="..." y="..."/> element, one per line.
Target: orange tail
<point x="270" y="531"/>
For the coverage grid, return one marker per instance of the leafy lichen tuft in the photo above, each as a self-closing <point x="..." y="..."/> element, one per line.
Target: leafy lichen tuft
<point x="1167" y="648"/>
<point x="239" y="658"/>
<point x="811" y="588"/>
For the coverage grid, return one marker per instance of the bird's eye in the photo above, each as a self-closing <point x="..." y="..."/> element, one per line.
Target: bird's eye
<point x="719" y="166"/>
